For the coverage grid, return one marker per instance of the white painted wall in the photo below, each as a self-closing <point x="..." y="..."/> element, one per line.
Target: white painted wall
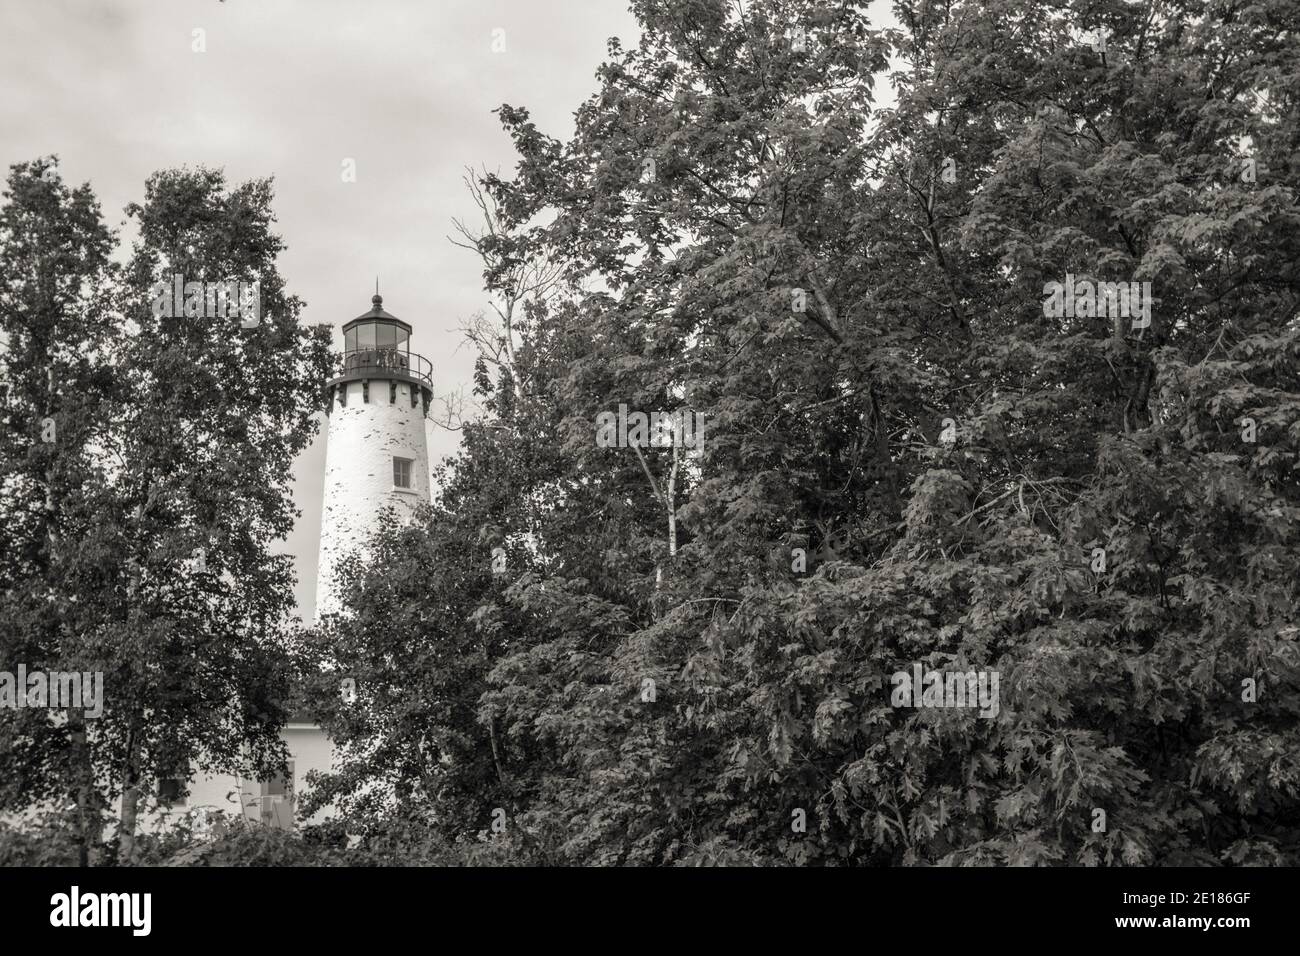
<point x="309" y="749"/>
<point x="362" y="440"/>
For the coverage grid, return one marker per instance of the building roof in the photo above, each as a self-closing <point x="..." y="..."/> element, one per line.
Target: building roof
<point x="377" y="313"/>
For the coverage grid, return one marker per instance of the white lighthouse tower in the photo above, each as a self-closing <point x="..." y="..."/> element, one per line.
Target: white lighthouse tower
<point x="377" y="456"/>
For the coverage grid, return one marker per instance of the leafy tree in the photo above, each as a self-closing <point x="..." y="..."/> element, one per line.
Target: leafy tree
<point x="58" y="392"/>
<point x="169" y="494"/>
<point x="1101" y="513"/>
<point x="216" y="413"/>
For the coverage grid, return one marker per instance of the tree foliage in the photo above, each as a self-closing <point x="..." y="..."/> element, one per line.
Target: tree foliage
<point x="949" y="456"/>
<point x="141" y="531"/>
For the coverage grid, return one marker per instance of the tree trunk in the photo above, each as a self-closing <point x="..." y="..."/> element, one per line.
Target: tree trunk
<point x="83" y="784"/>
<point x="130" y="804"/>
<point x="126" y="829"/>
<point x="670" y="502"/>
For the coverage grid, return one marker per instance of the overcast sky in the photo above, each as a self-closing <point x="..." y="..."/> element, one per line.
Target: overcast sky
<point x="291" y="88"/>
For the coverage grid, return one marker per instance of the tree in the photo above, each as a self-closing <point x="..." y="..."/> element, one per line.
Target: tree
<point x="1097" y="509"/>
<point x="58" y="395"/>
<point x="162" y="571"/>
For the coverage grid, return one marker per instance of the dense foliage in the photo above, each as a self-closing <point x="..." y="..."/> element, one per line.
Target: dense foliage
<point x="1104" y="515"/>
<point x="144" y="482"/>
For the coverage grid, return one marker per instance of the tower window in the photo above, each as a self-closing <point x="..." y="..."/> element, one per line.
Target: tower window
<point x="402" y="472"/>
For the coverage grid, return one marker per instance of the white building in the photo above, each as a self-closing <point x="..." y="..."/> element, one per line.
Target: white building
<point x="377" y="457"/>
<point x="267" y="801"/>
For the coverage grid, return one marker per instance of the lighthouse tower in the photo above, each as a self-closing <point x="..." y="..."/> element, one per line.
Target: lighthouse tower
<point x="376" y="457"/>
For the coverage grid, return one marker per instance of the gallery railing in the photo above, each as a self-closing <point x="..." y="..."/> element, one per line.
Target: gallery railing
<point x="378" y="363"/>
